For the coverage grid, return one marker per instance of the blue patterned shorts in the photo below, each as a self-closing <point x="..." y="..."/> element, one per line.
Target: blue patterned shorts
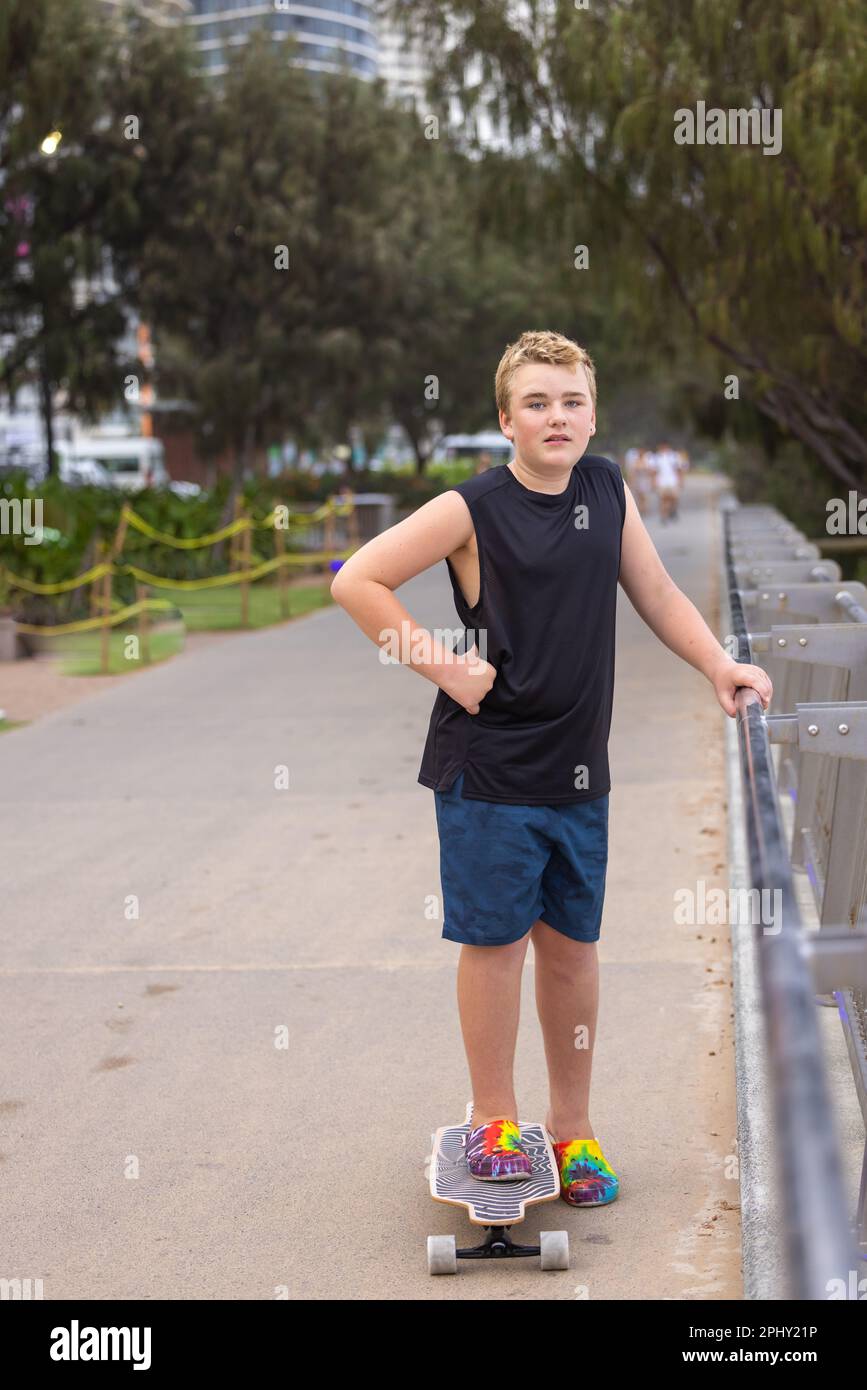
<point x="503" y="867"/>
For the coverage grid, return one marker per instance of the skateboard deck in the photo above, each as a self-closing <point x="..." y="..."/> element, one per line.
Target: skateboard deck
<point x="494" y="1205"/>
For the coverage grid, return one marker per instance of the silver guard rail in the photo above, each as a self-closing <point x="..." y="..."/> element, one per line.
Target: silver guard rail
<point x="809" y="631"/>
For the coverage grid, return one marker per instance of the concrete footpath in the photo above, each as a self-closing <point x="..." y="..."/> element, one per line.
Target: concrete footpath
<point x="229" y="1018"/>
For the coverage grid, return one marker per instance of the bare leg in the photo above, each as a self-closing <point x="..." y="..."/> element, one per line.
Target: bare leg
<point x="567" y="1001"/>
<point x="489" y="1000"/>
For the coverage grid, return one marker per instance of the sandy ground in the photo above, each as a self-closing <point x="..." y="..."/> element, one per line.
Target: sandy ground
<point x="37" y="686"/>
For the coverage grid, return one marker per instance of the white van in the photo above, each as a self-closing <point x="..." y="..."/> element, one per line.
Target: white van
<point x="485" y="441"/>
<point x="132" y="463"/>
<point x="81" y="471"/>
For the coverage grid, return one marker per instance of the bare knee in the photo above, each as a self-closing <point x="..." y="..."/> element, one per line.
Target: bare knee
<point x="507" y="955"/>
<point x="561" y="951"/>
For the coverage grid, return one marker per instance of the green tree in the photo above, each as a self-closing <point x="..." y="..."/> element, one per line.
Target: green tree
<point x="451" y="290"/>
<point x="357" y="207"/>
<point x="72" y="220"/>
<point x="754" y="261"/>
<point x="228" y="272"/>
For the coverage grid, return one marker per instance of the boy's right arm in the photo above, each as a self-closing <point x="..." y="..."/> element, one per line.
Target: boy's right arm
<point x="364" y="586"/>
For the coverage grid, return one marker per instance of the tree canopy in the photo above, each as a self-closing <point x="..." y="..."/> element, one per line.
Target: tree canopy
<point x="754" y="260"/>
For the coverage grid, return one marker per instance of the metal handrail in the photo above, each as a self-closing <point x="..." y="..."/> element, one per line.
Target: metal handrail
<point x="819" y="1242"/>
<point x="855" y="610"/>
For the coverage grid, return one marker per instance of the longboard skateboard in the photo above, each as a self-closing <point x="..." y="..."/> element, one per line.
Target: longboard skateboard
<point x="495" y="1205"/>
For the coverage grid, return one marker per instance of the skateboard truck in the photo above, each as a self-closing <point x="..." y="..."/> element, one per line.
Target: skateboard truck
<point x="498" y="1245"/>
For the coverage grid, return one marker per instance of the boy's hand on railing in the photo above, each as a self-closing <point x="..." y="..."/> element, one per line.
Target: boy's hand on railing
<point x="731" y="674"/>
<point x="467" y="679"/>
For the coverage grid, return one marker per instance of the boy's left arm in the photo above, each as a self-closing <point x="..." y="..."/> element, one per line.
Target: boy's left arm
<point x="675" y="620"/>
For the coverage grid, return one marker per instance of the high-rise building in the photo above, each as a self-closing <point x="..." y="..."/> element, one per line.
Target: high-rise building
<point x="330" y="33"/>
<point x="403" y="65"/>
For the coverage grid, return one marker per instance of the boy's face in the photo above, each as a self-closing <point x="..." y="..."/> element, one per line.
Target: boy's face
<point x="548" y="401"/>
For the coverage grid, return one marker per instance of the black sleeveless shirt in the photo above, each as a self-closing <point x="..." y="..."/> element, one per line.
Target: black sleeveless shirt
<point x="548" y="569"/>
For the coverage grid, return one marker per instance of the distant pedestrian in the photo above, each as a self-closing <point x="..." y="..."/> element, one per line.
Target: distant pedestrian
<point x="667" y="478"/>
<point x="639" y="475"/>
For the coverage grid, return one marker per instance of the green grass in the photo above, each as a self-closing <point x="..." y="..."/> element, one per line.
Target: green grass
<point x="209" y="610"/>
<point x="7" y="724"/>
<point x="81" y="652"/>
<point x="202" y="610"/>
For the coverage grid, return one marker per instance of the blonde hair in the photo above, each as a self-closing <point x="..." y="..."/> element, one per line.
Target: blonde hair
<point x="551" y="348"/>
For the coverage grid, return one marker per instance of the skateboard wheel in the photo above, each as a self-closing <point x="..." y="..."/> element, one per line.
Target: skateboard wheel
<point x="441" y="1255"/>
<point x="554" y="1249"/>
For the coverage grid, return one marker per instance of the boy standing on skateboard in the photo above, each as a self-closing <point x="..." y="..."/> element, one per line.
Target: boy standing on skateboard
<point x="516" y="751"/>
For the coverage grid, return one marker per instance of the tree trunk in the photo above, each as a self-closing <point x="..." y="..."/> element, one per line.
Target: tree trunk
<point x="242" y="455"/>
<point x="421" y="457"/>
<point x="371" y="438"/>
<point x="47" y="411"/>
<point x="417" y="448"/>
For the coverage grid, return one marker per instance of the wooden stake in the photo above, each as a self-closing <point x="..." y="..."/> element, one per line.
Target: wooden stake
<point x="329" y="532"/>
<point x="235" y="539"/>
<point x="353" y="520"/>
<point x="141" y="594"/>
<point x="246" y="559"/>
<point x="106" y="620"/>
<point x="282" y="576"/>
<point x="120" y="534"/>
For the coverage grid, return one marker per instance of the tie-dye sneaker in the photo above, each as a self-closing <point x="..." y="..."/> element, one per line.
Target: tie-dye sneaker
<point x="586" y="1177"/>
<point x="494" y="1152"/>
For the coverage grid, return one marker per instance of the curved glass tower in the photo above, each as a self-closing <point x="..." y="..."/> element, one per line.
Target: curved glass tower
<point x="330" y="33"/>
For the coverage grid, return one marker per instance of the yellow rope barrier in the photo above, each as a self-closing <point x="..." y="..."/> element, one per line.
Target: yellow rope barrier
<point x="159" y="581"/>
<point x="236" y="577"/>
<point x="89" y="577"/>
<point x="89" y="624"/>
<point x="182" y="542"/>
<point x="107" y="568"/>
<point x="244" y="523"/>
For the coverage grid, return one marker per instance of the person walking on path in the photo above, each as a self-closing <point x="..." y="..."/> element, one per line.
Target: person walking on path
<point x="639" y="475"/>
<point x="517" y="745"/>
<point x="666" y="464"/>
